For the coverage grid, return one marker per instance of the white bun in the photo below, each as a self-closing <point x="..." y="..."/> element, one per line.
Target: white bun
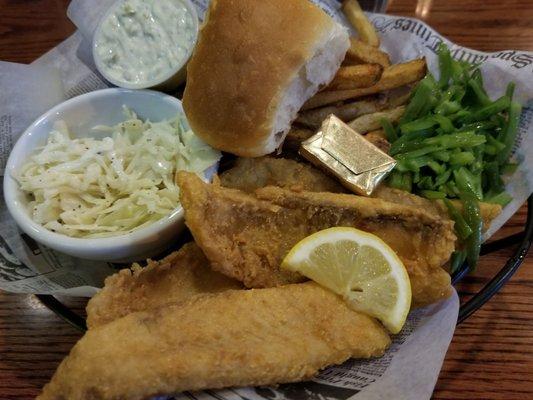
<point x="255" y="65"/>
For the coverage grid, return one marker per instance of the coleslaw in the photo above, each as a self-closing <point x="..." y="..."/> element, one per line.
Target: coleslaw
<point x="87" y="187"/>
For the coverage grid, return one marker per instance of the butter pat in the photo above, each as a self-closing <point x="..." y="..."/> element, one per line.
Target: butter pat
<point x="357" y="163"/>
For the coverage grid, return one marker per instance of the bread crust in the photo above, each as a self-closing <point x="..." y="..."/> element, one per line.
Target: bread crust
<point x="248" y="53"/>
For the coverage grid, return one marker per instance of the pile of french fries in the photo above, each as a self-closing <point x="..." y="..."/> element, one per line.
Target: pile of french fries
<point x="365" y="89"/>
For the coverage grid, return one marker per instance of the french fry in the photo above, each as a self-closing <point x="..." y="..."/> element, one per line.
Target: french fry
<point x="362" y="53"/>
<point x="360" y="22"/>
<point x="370" y="122"/>
<point x="346" y="112"/>
<point x="356" y="76"/>
<point x="399" y="96"/>
<point x="395" y="76"/>
<point x="378" y="139"/>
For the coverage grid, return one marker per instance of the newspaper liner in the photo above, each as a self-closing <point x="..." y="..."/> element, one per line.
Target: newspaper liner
<point x="411" y="366"/>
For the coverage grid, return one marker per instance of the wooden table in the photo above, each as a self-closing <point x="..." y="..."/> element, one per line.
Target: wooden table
<point x="491" y="356"/>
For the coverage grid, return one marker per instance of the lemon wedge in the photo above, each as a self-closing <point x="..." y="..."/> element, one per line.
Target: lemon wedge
<point x="358" y="266"/>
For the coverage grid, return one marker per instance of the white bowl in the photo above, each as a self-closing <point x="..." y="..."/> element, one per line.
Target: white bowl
<point x="169" y="81"/>
<point x="101" y="107"/>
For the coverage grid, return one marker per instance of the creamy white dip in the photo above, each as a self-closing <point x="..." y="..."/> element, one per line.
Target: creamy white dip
<point x="144" y="40"/>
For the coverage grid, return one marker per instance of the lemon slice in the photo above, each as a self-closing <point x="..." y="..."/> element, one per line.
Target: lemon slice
<point x="358" y="266"/>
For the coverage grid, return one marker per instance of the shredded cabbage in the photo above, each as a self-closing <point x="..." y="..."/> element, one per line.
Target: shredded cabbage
<point x="90" y="188"/>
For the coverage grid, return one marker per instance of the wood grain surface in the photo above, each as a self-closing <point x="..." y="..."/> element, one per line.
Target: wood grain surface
<point x="491" y="356"/>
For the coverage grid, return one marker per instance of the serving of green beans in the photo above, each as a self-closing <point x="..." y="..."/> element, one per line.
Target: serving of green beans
<point x="453" y="141"/>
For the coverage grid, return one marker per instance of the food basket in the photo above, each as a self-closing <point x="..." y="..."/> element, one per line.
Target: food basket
<point x="521" y="243"/>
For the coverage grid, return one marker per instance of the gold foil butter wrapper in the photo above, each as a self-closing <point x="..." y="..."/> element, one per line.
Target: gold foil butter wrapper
<point x="357" y="163"/>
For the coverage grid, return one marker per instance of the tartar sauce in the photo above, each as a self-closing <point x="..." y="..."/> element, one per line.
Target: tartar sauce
<point x="143" y="40"/>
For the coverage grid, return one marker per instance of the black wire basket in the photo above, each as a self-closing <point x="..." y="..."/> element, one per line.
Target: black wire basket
<point x="522" y="239"/>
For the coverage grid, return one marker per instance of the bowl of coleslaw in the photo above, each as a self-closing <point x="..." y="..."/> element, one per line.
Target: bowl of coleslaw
<point x="94" y="176"/>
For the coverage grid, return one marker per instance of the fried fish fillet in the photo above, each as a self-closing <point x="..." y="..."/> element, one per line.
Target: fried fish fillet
<point x="233" y="338"/>
<point x="249" y="174"/>
<point x="177" y="277"/>
<point x="488" y="211"/>
<point x="246" y="237"/>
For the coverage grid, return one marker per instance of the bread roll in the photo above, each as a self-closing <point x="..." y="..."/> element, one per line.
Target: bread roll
<point x="255" y="64"/>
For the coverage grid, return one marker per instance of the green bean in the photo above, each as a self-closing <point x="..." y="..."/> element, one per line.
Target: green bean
<point x="480" y="93"/>
<point x="499" y="146"/>
<point x="441" y="155"/>
<point x="418" y="125"/>
<point x="468" y="183"/>
<point x="457" y="139"/>
<point x="406" y="166"/>
<point x="456" y="93"/>
<point x="460" y="116"/>
<point x="407" y="181"/>
<point x="503" y="198"/>
<point x="426" y="182"/>
<point x="453" y="141"/>
<point x="409" y="141"/>
<point x="458" y="73"/>
<point x="462" y="229"/>
<point x="445" y="64"/>
<point x="491" y="150"/>
<point x="417" y="153"/>
<point x="416" y="176"/>
<point x="414" y="164"/>
<point x="433" y="194"/>
<point x="493" y="108"/>
<point x="508" y="135"/>
<point x="443" y="178"/>
<point x="399" y="180"/>
<point x="462" y="158"/>
<point x="395" y="179"/>
<point x="436" y="167"/>
<point x="419" y="99"/>
<point x="509" y="92"/>
<point x="473" y="219"/>
<point x="478" y="126"/>
<point x="445" y="123"/>
<point x="478" y="78"/>
<point x="493" y="176"/>
<point x="447" y="107"/>
<point x="457" y="260"/>
<point x="451" y="189"/>
<point x="390" y="132"/>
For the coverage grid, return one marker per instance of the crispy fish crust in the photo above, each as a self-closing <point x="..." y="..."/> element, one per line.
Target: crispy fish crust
<point x="488" y="211"/>
<point x="233" y="338"/>
<point x="249" y="174"/>
<point x="177" y="277"/>
<point x="246" y="237"/>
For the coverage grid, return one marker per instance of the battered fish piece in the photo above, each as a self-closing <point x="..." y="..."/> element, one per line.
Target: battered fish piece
<point x="233" y="338"/>
<point x="246" y="237"/>
<point x="249" y="174"/>
<point x="177" y="277"/>
<point x="488" y="211"/>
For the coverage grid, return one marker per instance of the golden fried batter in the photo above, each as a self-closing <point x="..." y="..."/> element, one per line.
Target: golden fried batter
<point x="179" y="276"/>
<point x="250" y="174"/>
<point x="246" y="237"/>
<point x="488" y="211"/>
<point x="233" y="338"/>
